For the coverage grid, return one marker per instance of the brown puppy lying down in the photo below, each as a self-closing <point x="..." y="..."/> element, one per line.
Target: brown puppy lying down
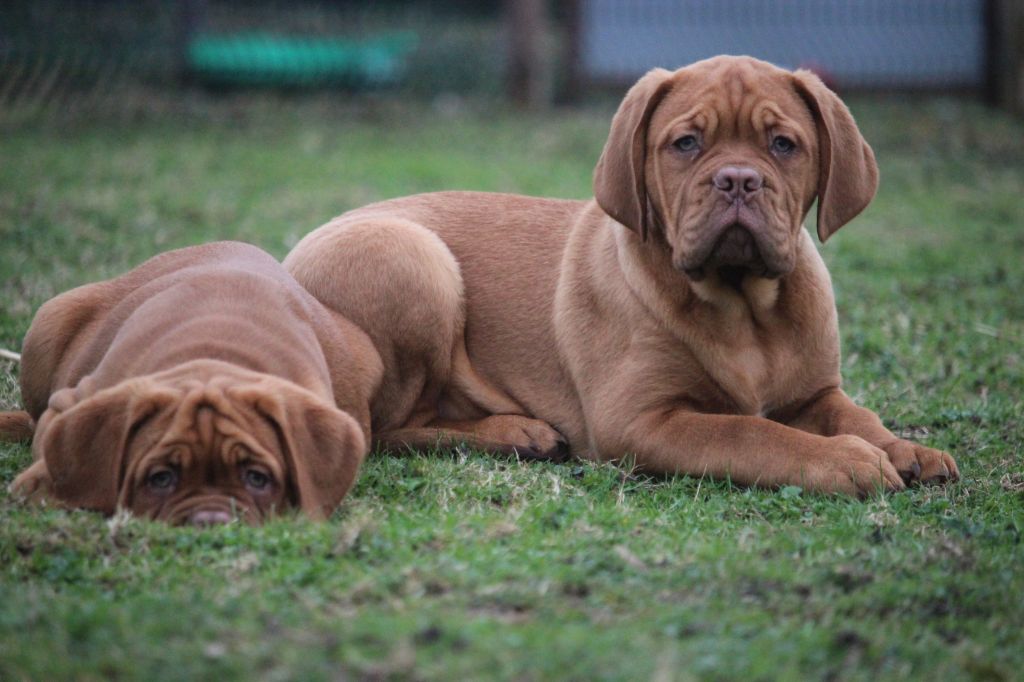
<point x="204" y="384"/>
<point x="683" y="316"/>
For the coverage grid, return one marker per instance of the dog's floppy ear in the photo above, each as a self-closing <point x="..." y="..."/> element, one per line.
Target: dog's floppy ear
<point x="847" y="173"/>
<point x="84" y="437"/>
<point x="620" y="185"/>
<point x="322" y="446"/>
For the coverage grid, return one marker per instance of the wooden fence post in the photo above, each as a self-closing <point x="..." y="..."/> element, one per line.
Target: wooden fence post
<point x="191" y="15"/>
<point x="571" y="77"/>
<point x="1004" y="22"/>
<point x="526" y="23"/>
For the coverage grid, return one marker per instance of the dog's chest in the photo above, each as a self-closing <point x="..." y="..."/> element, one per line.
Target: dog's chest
<point x="750" y="374"/>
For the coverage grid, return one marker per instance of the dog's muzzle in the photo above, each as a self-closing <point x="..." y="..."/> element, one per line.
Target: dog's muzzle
<point x="737" y="247"/>
<point x="736" y="239"/>
<point x="734" y="254"/>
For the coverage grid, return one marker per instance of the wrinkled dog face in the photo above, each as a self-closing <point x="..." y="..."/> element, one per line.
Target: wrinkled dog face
<point x="734" y="166"/>
<point x="206" y="462"/>
<point x="202" y="444"/>
<point x="723" y="159"/>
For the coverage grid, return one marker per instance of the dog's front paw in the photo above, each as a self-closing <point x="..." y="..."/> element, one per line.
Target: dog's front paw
<point x="851" y="466"/>
<point x="920" y="464"/>
<point x="33" y="485"/>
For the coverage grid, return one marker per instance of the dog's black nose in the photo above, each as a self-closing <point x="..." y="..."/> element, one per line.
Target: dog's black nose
<point x="738" y="181"/>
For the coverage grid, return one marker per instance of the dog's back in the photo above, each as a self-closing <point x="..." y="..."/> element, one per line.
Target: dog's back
<point x="208" y="301"/>
<point x="509" y="250"/>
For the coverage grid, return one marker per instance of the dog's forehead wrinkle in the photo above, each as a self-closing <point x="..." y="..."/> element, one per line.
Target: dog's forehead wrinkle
<point x="738" y="90"/>
<point x="204" y="424"/>
<point x="172" y="452"/>
<point x="697" y="118"/>
<point x="767" y="114"/>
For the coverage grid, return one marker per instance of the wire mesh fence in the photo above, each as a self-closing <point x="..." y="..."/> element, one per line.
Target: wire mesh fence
<point x="61" y="56"/>
<point x="857" y="43"/>
<point x="69" y="56"/>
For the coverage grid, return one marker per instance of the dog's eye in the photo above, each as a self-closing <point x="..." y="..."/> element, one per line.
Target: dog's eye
<point x="687" y="143"/>
<point x="782" y="144"/>
<point x="256" y="479"/>
<point x="162" y="480"/>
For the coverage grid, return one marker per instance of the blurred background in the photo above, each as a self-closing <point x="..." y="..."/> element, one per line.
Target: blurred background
<point x="67" y="57"/>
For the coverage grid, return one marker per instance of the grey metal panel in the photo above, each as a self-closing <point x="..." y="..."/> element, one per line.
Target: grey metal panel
<point x="857" y="42"/>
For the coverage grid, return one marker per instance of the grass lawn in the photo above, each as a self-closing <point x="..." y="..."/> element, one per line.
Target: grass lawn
<point x="464" y="566"/>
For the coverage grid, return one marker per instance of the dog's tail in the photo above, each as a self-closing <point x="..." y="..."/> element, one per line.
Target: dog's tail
<point x="16" y="426"/>
<point x="478" y="390"/>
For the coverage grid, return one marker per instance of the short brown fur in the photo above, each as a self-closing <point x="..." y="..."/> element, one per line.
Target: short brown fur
<point x="683" y="316"/>
<point x="210" y="363"/>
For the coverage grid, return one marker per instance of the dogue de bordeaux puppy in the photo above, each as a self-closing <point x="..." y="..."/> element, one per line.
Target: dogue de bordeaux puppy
<point x="201" y="386"/>
<point x="683" y="317"/>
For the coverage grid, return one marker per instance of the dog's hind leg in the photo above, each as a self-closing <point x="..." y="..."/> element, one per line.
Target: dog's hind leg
<point x="34" y="484"/>
<point x="398" y="282"/>
<point x="506" y="434"/>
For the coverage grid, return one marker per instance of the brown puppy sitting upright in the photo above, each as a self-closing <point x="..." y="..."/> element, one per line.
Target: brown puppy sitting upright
<point x="202" y="385"/>
<point x="683" y="317"/>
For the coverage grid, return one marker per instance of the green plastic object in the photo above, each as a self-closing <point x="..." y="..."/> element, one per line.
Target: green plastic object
<point x="265" y="59"/>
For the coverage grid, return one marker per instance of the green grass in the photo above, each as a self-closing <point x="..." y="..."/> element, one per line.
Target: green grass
<point x="465" y="566"/>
